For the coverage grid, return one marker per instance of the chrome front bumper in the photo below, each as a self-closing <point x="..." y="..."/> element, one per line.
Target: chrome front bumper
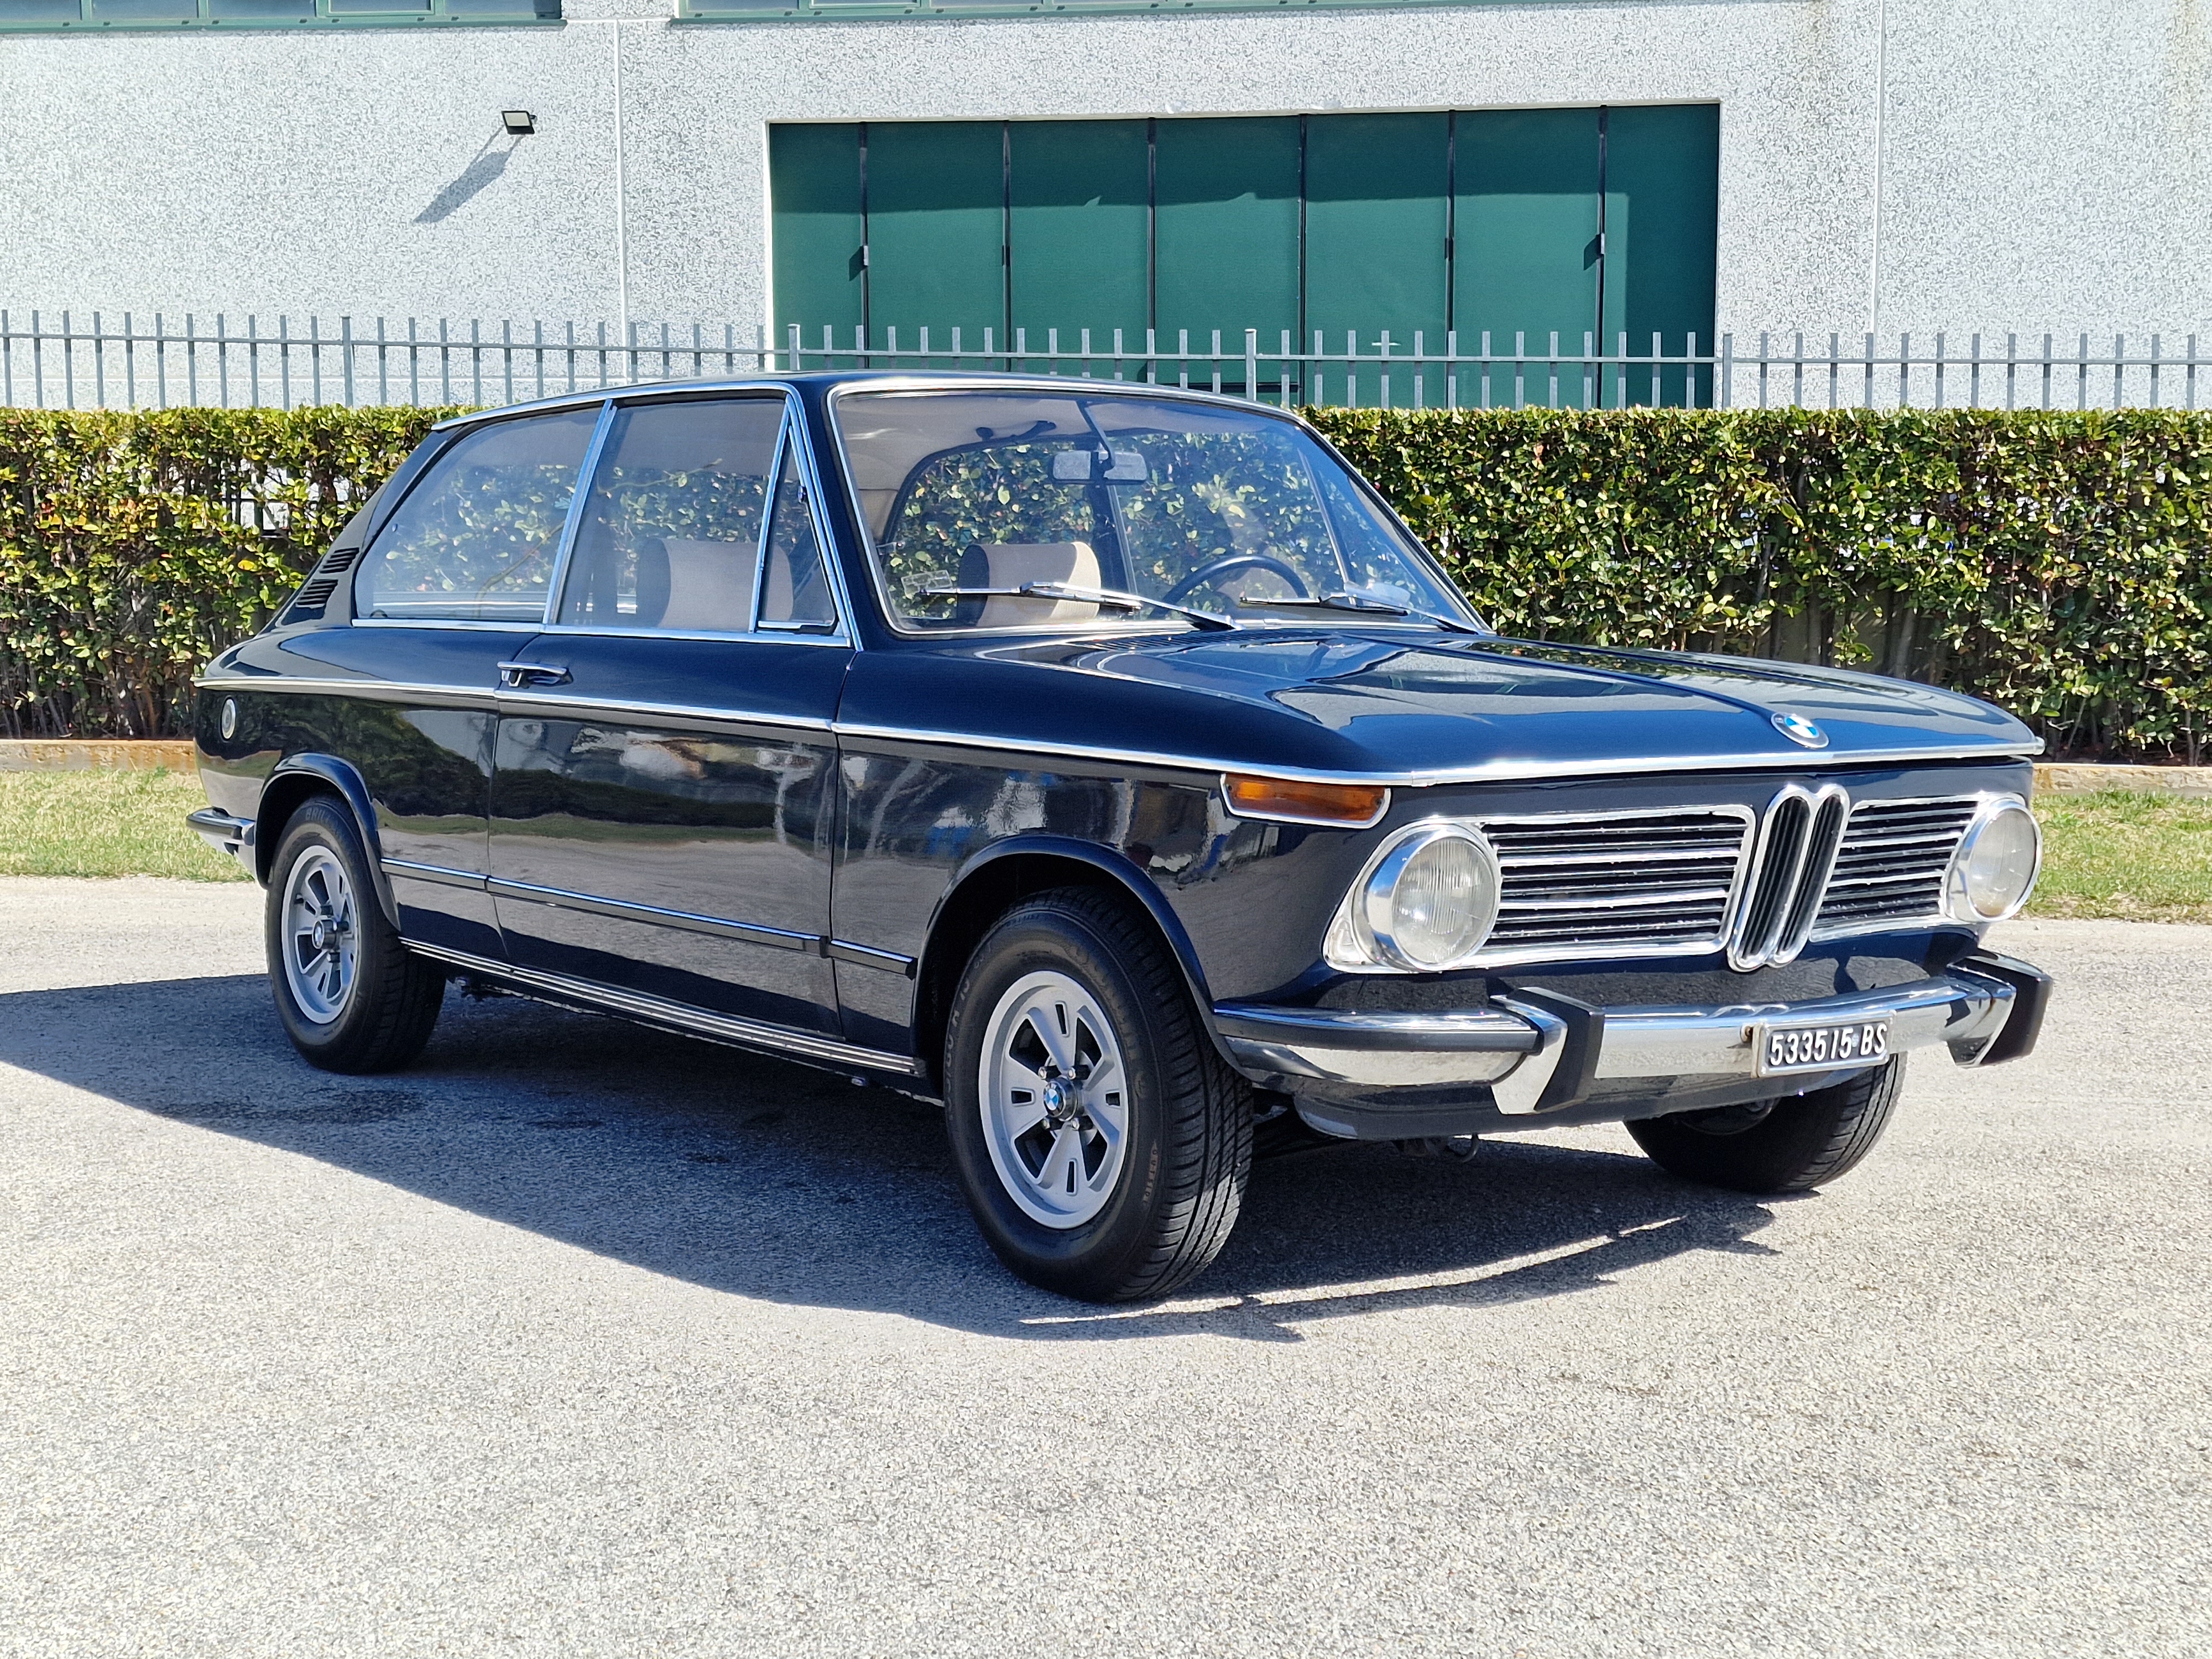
<point x="1539" y="1052"/>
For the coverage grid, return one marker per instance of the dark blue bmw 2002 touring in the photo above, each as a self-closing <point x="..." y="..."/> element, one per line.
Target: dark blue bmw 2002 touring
<point x="1110" y="764"/>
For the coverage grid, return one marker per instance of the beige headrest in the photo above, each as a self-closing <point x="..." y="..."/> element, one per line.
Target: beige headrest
<point x="1010" y="564"/>
<point x="710" y="587"/>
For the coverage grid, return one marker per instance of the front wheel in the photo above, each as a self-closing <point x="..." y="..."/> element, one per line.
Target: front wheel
<point x="1102" y="1142"/>
<point x="351" y="996"/>
<point x="1786" y="1146"/>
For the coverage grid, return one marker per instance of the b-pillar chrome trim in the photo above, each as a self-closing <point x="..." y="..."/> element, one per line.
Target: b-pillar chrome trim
<point x="678" y="1016"/>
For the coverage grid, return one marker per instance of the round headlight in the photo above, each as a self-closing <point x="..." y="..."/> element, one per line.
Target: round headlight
<point x="1430" y="902"/>
<point x="1994" y="870"/>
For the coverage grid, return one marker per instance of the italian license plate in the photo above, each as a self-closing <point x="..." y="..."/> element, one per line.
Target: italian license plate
<point x="1818" y="1045"/>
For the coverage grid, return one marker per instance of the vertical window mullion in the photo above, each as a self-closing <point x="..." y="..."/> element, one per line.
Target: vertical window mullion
<point x="1151" y="229"/>
<point x="768" y="503"/>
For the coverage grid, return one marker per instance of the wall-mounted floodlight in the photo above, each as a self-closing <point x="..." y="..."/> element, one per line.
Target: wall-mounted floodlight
<point x="519" y="123"/>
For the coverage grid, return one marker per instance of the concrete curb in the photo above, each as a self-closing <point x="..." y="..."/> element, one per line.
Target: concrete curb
<point x="98" y="754"/>
<point x="2073" y="778"/>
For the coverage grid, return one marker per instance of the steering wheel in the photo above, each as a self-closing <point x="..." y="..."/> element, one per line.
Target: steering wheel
<point x="1228" y="565"/>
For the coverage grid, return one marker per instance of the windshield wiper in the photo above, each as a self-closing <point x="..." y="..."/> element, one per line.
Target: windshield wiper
<point x="1358" y="602"/>
<point x="1205" y="619"/>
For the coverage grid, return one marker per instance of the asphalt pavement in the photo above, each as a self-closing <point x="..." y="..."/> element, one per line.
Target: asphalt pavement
<point x="579" y="1340"/>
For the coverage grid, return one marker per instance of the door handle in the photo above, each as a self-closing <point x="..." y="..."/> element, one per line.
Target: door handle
<point x="516" y="675"/>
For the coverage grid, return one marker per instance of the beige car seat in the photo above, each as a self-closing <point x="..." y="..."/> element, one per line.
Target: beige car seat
<point x="1010" y="564"/>
<point x="710" y="587"/>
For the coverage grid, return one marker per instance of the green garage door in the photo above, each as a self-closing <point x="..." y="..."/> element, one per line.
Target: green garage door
<point x="1519" y="227"/>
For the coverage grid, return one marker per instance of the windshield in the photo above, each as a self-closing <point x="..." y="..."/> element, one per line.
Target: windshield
<point x="972" y="496"/>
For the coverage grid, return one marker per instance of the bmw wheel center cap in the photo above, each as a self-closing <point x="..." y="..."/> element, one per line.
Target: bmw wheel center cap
<point x="1798" y="730"/>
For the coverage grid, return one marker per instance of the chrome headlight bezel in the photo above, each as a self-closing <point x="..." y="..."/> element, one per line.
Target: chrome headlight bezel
<point x="1362" y="935"/>
<point x="1957" y="903"/>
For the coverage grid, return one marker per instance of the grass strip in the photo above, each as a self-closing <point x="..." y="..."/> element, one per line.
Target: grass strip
<point x="105" y="824"/>
<point x="2139" y="857"/>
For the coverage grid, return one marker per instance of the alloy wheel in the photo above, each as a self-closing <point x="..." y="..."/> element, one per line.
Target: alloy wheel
<point x="1054" y="1097"/>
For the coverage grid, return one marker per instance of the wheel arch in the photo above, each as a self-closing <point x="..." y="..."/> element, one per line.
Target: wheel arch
<point x="298" y="779"/>
<point x="1001" y="875"/>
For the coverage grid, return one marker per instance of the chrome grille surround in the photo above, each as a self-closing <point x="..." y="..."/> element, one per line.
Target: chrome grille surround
<point x="1895" y="859"/>
<point x="1593" y="886"/>
<point x="1799" y="836"/>
<point x="1758" y="884"/>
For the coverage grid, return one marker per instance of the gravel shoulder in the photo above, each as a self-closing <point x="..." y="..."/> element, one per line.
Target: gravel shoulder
<point x="579" y="1339"/>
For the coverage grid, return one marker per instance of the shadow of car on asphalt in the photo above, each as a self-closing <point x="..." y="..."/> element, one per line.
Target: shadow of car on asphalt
<point x="767" y="1180"/>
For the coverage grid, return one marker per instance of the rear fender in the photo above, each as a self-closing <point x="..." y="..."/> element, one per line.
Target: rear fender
<point x="295" y="778"/>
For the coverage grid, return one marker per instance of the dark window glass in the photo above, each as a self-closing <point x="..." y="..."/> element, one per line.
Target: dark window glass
<point x="144" y="11"/>
<point x="274" y="11"/>
<point x="476" y="539"/>
<point x="794" y="592"/>
<point x="1200" y="504"/>
<point x="671" y="535"/>
<point x="40" y="11"/>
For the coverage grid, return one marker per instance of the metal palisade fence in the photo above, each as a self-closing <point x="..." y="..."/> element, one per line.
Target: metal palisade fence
<point x="55" y="361"/>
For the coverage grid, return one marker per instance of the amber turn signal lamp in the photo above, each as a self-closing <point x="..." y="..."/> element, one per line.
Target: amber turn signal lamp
<point x="1288" y="800"/>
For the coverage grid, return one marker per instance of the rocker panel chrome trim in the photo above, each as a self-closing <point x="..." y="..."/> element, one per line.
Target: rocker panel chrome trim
<point x="624" y="910"/>
<point x="408" y="869"/>
<point x="678" y="1016"/>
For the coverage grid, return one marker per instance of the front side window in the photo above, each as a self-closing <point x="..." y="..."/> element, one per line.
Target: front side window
<point x="670" y="536"/>
<point x="476" y="538"/>
<point x="975" y="500"/>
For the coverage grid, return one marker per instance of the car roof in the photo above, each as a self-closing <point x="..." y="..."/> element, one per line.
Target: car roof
<point x="827" y="380"/>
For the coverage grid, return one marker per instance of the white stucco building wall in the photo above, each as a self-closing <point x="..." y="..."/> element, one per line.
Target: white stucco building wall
<point x="1892" y="164"/>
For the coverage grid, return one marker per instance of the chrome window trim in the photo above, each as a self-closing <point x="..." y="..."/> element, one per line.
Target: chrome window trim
<point x="789" y="439"/>
<point x="639" y="392"/>
<point x="1065" y="386"/>
<point x="678" y="1016"/>
<point x="799" y="636"/>
<point x="586" y="477"/>
<point x="460" y="427"/>
<point x="448" y="622"/>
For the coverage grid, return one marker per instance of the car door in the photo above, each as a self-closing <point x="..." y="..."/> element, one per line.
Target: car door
<point x="456" y="579"/>
<point x="664" y="789"/>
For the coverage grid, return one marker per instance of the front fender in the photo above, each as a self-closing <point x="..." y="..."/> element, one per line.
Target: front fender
<point x="1118" y="868"/>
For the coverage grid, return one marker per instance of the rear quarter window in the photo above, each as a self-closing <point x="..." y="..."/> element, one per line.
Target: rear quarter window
<point x="476" y="538"/>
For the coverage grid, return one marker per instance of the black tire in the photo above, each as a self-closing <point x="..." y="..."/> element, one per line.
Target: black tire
<point x="385" y="1018"/>
<point x="1787" y="1145"/>
<point x="1188" y="1117"/>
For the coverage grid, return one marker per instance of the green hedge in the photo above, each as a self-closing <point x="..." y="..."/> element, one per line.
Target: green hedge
<point x="2060" y="564"/>
<point x="135" y="546"/>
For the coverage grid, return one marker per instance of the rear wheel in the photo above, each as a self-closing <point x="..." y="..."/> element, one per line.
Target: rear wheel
<point x="1102" y="1142"/>
<point x="351" y="997"/>
<point x="1787" y="1145"/>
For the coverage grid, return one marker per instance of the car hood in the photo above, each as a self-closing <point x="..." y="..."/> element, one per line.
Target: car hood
<point x="1422" y="706"/>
